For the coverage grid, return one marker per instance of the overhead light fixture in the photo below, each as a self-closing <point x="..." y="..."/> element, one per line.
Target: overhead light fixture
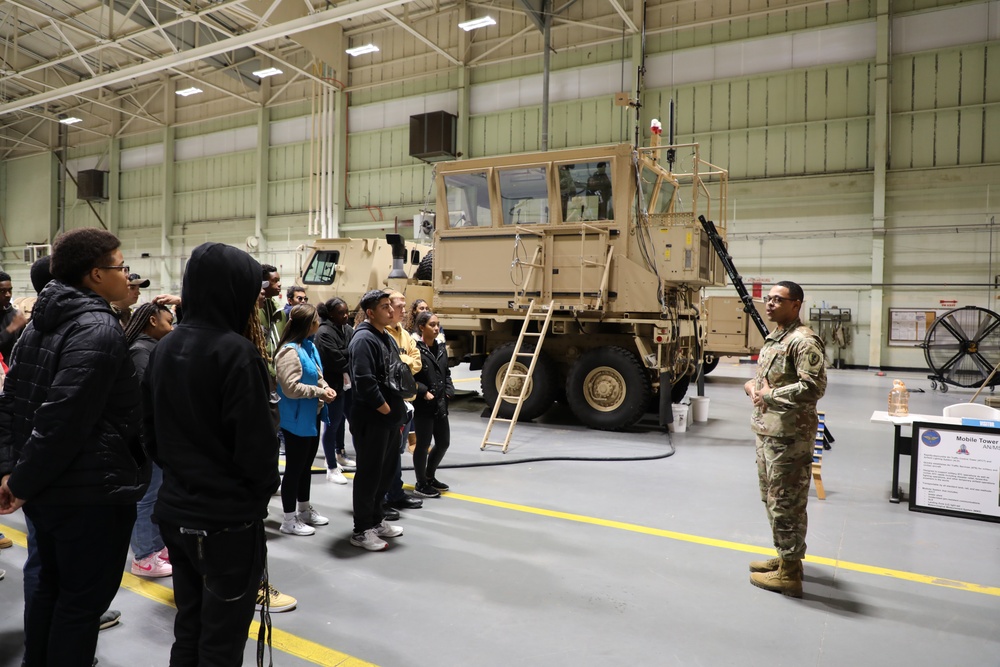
<point x="361" y="50"/>
<point x="477" y="23"/>
<point x="70" y="120"/>
<point x="189" y="91"/>
<point x="270" y="71"/>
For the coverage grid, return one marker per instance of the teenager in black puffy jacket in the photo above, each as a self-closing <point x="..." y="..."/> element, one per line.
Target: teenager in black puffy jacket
<point x="69" y="446"/>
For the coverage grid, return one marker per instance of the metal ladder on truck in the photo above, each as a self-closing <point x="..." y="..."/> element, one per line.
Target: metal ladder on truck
<point x="532" y="315"/>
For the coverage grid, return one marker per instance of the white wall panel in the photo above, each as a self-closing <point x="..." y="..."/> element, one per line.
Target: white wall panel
<point x="76" y="165"/>
<point x="954" y="26"/>
<point x="291" y="131"/>
<point x="142" y="156"/>
<point x="216" y="143"/>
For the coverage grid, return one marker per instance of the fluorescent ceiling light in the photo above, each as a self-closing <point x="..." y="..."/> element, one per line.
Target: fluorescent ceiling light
<point x="477" y="23"/>
<point x="361" y="50"/>
<point x="70" y="120"/>
<point x="189" y="91"/>
<point x="270" y="71"/>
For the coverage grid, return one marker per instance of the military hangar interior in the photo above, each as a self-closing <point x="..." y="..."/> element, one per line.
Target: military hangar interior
<point x="861" y="139"/>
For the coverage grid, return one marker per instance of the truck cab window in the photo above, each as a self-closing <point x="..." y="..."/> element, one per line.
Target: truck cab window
<point x="322" y="269"/>
<point x="524" y="196"/>
<point x="585" y="192"/>
<point x="468" y="200"/>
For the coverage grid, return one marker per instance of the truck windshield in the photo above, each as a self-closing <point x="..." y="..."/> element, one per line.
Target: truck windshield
<point x="468" y="200"/>
<point x="322" y="268"/>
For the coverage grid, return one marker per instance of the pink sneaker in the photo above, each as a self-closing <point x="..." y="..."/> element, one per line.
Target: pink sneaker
<point x="164" y="555"/>
<point x="151" y="566"/>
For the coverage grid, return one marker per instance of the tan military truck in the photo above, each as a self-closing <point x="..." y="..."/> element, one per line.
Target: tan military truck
<point x="608" y="238"/>
<point x="729" y="330"/>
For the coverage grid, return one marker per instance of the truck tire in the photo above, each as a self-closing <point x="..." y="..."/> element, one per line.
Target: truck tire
<point x="425" y="270"/>
<point x="710" y="362"/>
<point x="541" y="391"/>
<point x="608" y="388"/>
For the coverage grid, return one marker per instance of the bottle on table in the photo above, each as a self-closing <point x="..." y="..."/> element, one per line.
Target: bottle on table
<point x="899" y="400"/>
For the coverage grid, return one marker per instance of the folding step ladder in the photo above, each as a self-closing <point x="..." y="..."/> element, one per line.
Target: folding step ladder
<point x="530" y="316"/>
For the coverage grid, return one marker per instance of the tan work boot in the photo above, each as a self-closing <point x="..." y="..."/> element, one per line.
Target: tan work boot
<point x="787" y="579"/>
<point x="769" y="565"/>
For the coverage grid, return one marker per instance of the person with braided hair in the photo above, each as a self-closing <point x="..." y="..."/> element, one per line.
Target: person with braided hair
<point x="149" y="323"/>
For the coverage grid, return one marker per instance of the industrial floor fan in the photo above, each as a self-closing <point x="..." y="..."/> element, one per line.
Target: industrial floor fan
<point x="962" y="348"/>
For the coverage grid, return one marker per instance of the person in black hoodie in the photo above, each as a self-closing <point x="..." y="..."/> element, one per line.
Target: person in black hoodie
<point x="377" y="415"/>
<point x="69" y="446"/>
<point x="332" y="339"/>
<point x="208" y="425"/>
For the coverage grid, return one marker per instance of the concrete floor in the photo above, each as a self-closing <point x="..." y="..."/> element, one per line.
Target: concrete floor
<point x="615" y="563"/>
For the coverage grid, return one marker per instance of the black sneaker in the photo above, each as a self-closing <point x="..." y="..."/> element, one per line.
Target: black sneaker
<point x="389" y="513"/>
<point x="440" y="486"/>
<point x="425" y="490"/>
<point x="110" y="618"/>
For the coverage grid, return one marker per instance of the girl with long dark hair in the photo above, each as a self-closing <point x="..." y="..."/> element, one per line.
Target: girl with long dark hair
<point x="430" y="409"/>
<point x="304" y="395"/>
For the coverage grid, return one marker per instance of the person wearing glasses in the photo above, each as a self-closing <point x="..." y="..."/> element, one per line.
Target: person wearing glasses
<point x="294" y="296"/>
<point x="70" y="453"/>
<point x="790" y="379"/>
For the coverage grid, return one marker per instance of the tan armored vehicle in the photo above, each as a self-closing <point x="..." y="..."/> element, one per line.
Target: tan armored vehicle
<point x="605" y="238"/>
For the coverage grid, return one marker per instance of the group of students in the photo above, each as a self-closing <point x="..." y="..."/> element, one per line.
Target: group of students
<point x="325" y="372"/>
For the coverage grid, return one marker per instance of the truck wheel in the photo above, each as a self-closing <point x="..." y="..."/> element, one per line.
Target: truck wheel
<point x="680" y="389"/>
<point x="425" y="270"/>
<point x="608" y="388"/>
<point x="709" y="363"/>
<point x="541" y="385"/>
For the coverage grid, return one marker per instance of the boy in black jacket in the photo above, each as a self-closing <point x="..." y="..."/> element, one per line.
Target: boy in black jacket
<point x="377" y="415"/>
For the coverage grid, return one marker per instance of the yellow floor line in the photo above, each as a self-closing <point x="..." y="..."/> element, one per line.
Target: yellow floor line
<point x="322" y="655"/>
<point x="733" y="546"/>
<point x="465" y="380"/>
<point x="281" y="640"/>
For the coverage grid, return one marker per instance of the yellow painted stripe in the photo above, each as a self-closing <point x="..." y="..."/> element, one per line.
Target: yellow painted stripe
<point x="280" y="640"/>
<point x="465" y="380"/>
<point x="732" y="546"/>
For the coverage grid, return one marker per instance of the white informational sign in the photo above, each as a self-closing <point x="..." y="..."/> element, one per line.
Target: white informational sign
<point x="956" y="470"/>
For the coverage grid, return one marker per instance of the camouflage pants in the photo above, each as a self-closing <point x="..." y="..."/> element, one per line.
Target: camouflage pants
<point x="784" y="469"/>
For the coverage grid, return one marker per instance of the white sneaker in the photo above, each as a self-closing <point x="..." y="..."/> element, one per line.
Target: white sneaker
<point x="346" y="463"/>
<point x="368" y="540"/>
<point x="311" y="517"/>
<point x="296" y="527"/>
<point x="386" y="529"/>
<point x="336" y="476"/>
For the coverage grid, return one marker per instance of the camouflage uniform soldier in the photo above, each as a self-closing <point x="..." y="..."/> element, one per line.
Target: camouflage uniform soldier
<point x="790" y="379"/>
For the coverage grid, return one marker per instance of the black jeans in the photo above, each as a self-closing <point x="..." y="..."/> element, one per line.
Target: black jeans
<point x="427" y="426"/>
<point x="216" y="579"/>
<point x="300" y="452"/>
<point x="376" y="444"/>
<point x="82" y="549"/>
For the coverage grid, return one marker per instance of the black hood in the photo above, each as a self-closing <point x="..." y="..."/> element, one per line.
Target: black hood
<point x="221" y="285"/>
<point x="58" y="303"/>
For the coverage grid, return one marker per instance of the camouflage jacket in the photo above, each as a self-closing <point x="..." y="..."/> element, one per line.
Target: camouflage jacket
<point x="794" y="363"/>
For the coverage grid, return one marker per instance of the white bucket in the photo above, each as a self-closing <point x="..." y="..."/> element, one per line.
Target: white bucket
<point x="680" y="424"/>
<point x="699" y="408"/>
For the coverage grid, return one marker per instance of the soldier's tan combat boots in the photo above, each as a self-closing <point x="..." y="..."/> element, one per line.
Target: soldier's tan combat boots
<point x="787" y="579"/>
<point x="769" y="565"/>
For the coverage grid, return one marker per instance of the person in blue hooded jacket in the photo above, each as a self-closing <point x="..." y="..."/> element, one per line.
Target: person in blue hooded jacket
<point x="304" y="395"/>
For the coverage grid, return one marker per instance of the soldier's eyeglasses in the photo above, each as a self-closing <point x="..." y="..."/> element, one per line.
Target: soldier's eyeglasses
<point x="776" y="300"/>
